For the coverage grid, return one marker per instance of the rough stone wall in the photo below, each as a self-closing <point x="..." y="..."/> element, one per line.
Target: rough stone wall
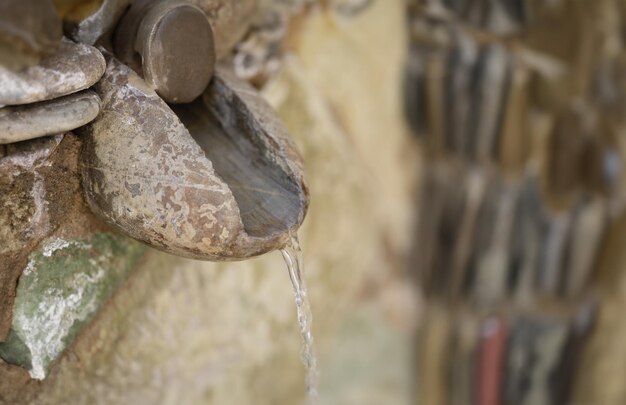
<point x="182" y="331"/>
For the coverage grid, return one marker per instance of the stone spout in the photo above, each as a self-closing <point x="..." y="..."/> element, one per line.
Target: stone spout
<point x="215" y="179"/>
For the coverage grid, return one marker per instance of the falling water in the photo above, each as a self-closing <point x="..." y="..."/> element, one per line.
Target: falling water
<point x="293" y="259"/>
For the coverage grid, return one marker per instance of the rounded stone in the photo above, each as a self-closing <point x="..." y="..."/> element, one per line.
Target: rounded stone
<point x="51" y="117"/>
<point x="175" y="41"/>
<point x="72" y="68"/>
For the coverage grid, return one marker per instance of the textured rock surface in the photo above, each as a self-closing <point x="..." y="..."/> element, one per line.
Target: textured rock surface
<point x="62" y="287"/>
<point x="51" y="117"/>
<point x="24" y="218"/>
<point x="32" y="174"/>
<point x="145" y="174"/>
<point x="72" y="68"/>
<point x="191" y="332"/>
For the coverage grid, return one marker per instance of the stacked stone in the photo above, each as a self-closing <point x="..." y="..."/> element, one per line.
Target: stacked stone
<point x="44" y="93"/>
<point x="516" y="105"/>
<point x="49" y="97"/>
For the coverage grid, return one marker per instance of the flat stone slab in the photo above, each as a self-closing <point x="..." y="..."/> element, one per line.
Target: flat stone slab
<point x="72" y="68"/>
<point x="60" y="115"/>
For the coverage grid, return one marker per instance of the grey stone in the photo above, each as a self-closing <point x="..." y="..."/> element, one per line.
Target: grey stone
<point x="175" y="42"/>
<point x="72" y="68"/>
<point x="56" y="116"/>
<point x="170" y="44"/>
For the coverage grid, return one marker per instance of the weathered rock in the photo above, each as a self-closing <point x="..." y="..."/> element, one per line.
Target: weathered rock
<point x="29" y="29"/>
<point x="146" y="175"/>
<point x="72" y="68"/>
<point x="90" y="29"/>
<point x="41" y="197"/>
<point x="62" y="287"/>
<point x="24" y="217"/>
<point x="51" y="117"/>
<point x="175" y="42"/>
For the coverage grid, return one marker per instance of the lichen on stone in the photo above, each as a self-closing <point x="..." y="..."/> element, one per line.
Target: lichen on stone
<point x="62" y="288"/>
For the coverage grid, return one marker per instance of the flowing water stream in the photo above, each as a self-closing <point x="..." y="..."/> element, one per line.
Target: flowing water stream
<point x="293" y="259"/>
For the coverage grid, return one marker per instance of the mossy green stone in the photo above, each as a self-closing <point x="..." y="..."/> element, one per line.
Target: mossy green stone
<point x="62" y="288"/>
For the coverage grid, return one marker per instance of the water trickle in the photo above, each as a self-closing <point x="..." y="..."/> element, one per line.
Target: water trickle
<point x="293" y="259"/>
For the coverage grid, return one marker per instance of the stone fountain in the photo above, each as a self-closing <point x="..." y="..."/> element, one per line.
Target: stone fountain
<point x="91" y="150"/>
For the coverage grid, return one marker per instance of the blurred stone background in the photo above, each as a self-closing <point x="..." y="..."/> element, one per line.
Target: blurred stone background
<point x="527" y="97"/>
